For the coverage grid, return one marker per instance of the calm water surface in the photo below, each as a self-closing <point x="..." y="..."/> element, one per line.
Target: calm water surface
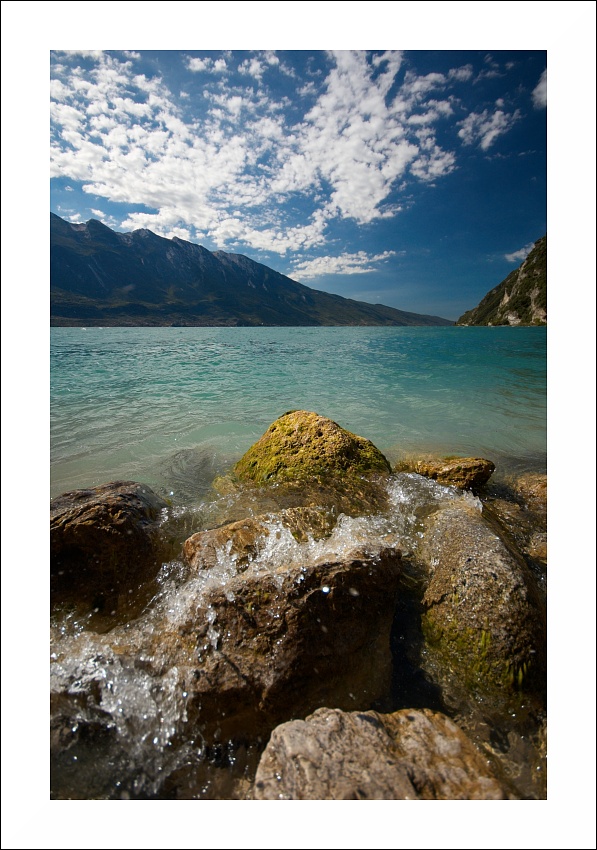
<point x="175" y="406"/>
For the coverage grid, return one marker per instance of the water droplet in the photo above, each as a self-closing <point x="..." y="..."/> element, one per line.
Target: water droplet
<point x="325" y="589"/>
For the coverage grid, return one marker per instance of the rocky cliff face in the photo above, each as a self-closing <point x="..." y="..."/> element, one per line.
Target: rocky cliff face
<point x="102" y="278"/>
<point x="520" y="299"/>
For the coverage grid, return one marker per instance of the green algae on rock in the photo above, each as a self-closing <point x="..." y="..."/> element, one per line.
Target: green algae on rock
<point x="484" y="618"/>
<point x="301" y="444"/>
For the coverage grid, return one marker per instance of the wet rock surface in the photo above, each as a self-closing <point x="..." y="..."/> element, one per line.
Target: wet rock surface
<point x="237" y="658"/>
<point x="519" y="506"/>
<point x="274" y="646"/>
<point x="182" y="638"/>
<point x="242" y="541"/>
<point x="406" y="755"/>
<point x="483" y="613"/>
<point x="105" y="544"/>
<point x="467" y="473"/>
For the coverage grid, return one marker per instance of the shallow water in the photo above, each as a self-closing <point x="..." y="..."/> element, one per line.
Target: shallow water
<point x="176" y="407"/>
<point x="173" y="407"/>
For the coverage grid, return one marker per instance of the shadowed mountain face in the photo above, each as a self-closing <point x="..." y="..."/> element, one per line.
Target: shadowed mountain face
<point x="520" y="299"/>
<point x="102" y="278"/>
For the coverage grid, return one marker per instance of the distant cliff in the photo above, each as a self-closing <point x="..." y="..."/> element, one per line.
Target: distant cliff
<point x="520" y="299"/>
<point x="102" y="278"/>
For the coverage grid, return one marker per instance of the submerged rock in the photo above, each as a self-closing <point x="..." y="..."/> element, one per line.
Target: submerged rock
<point x="301" y="445"/>
<point x="467" y="473"/>
<point x="409" y="755"/>
<point x="483" y="615"/>
<point x="104" y="544"/>
<point x="240" y="542"/>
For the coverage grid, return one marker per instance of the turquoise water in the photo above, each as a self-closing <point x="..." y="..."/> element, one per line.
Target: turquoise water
<point x="173" y="407"/>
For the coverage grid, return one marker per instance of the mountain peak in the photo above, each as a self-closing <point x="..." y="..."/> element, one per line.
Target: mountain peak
<point x="100" y="277"/>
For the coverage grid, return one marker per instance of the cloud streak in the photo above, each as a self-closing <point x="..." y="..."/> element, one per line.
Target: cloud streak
<point x="539" y="94"/>
<point x="358" y="263"/>
<point x="521" y="254"/>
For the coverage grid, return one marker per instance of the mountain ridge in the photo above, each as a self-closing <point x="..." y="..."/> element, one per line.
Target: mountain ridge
<point x="99" y="277"/>
<point x="520" y="299"/>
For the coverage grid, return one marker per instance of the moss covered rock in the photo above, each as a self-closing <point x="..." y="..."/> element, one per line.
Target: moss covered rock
<point x="484" y="619"/>
<point x="301" y="445"/>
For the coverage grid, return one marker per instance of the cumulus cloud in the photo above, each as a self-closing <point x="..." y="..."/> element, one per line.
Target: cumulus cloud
<point x="359" y="263"/>
<point x="211" y="66"/>
<point x="520" y="255"/>
<point x="238" y="166"/>
<point x="485" y="127"/>
<point x="540" y="92"/>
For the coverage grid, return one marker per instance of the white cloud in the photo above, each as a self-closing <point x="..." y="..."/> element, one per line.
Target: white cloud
<point x="196" y="64"/>
<point x="485" y="128"/>
<point x="521" y="254"/>
<point x="232" y="166"/>
<point x="359" y="263"/>
<point x="462" y="74"/>
<point x="540" y="92"/>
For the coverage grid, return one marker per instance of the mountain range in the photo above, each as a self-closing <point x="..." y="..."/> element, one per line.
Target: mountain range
<point x="520" y="299"/>
<point x="99" y="277"/>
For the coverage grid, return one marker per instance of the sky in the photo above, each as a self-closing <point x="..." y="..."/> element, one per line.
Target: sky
<point x="412" y="178"/>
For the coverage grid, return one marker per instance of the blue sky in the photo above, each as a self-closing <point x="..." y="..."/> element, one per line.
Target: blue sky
<point x="415" y="179"/>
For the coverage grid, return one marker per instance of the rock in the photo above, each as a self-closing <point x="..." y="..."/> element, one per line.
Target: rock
<point x="483" y="619"/>
<point x="276" y="644"/>
<point x="531" y="490"/>
<point x="526" y="530"/>
<point x="301" y="445"/>
<point x="467" y="473"/>
<point x="241" y="542"/>
<point x="104" y="545"/>
<point x="409" y="755"/>
<point x="519" y="506"/>
<point x="221" y="667"/>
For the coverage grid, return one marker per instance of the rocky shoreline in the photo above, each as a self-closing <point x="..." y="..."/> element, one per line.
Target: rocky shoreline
<point x="327" y="628"/>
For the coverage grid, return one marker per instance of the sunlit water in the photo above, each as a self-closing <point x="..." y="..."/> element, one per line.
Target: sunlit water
<point x="173" y="407"/>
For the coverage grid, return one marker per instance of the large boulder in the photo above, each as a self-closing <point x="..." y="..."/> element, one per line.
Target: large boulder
<point x="105" y="546"/>
<point x="409" y="755"/>
<point x="467" y="473"/>
<point x="228" y="660"/>
<point x="302" y="445"/>
<point x="483" y="618"/>
<point x="273" y="644"/>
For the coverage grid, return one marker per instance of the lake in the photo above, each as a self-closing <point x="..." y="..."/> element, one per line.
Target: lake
<point x="173" y="407"/>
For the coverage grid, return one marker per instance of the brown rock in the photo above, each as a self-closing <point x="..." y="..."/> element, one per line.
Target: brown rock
<point x="483" y="616"/>
<point x="273" y="645"/>
<point x="240" y="542"/>
<point x="408" y="755"/>
<point x="225" y="662"/>
<point x="467" y="473"/>
<point x="104" y="542"/>
<point x="531" y="489"/>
